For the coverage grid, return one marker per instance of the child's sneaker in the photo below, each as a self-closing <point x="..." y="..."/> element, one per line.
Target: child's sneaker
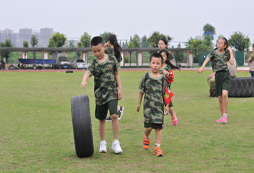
<point x="103" y="147"/>
<point x="219" y="120"/>
<point x="120" y="112"/>
<point x="116" y="147"/>
<point x="174" y="119"/>
<point x="222" y="120"/>
<point x="158" y="152"/>
<point x="108" y="119"/>
<point x="146" y="142"/>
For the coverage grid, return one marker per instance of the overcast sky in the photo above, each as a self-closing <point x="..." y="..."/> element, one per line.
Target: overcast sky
<point x="180" y="19"/>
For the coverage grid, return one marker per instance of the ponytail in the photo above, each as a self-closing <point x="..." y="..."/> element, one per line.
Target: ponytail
<point x="172" y="66"/>
<point x="117" y="48"/>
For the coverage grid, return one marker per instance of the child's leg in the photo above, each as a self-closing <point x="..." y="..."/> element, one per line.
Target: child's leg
<point x="221" y="105"/>
<point x="171" y="111"/>
<point x="148" y="131"/>
<point x="115" y="126"/>
<point x="225" y="101"/>
<point x="158" y="135"/>
<point x="102" y="129"/>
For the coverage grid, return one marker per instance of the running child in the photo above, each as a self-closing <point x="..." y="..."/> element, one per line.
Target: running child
<point x="107" y="90"/>
<point x="114" y="49"/>
<point x="166" y="70"/>
<point x="153" y="86"/>
<point x="220" y="56"/>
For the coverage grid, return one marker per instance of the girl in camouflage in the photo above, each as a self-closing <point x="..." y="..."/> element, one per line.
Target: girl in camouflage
<point x="114" y="48"/>
<point x="163" y="44"/>
<point x="220" y="56"/>
<point x="167" y="71"/>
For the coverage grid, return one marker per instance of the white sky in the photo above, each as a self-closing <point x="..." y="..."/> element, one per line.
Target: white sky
<point x="180" y="19"/>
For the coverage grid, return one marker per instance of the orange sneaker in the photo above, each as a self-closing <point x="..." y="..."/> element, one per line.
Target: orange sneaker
<point x="158" y="152"/>
<point x="146" y="142"/>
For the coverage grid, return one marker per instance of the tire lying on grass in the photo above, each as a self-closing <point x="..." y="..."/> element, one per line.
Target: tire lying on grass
<point x="241" y="87"/>
<point x="82" y="128"/>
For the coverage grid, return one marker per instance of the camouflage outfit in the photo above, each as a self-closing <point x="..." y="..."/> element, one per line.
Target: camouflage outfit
<point x="153" y="90"/>
<point x="211" y="83"/>
<point x="110" y="51"/>
<point x="105" y="85"/>
<point x="222" y="76"/>
<point x="251" y="59"/>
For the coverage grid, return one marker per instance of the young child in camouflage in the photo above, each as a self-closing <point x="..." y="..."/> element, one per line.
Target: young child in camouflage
<point x="220" y="56"/>
<point x="107" y="91"/>
<point x="114" y="49"/>
<point x="167" y="71"/>
<point x="153" y="86"/>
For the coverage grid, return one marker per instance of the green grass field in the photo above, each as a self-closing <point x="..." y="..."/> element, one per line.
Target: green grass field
<point x="36" y="132"/>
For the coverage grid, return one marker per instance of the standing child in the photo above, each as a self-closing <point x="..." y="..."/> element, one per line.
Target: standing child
<point x="105" y="68"/>
<point x="166" y="70"/>
<point x="153" y="85"/>
<point x="115" y="49"/>
<point x="220" y="56"/>
<point x="163" y="44"/>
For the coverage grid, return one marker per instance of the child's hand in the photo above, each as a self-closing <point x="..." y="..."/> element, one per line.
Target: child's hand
<point x="138" y="107"/>
<point x="165" y="72"/>
<point x="83" y="84"/>
<point x="201" y="69"/>
<point x="119" y="94"/>
<point x="105" y="45"/>
<point x="230" y="49"/>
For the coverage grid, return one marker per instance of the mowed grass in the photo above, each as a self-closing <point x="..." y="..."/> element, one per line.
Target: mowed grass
<point x="36" y="132"/>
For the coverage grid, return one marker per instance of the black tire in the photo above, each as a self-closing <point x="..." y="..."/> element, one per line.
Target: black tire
<point x="34" y="67"/>
<point x="82" y="128"/>
<point x="241" y="87"/>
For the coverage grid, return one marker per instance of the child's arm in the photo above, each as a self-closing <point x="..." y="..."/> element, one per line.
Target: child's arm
<point x="84" y="81"/>
<point x="118" y="81"/>
<point x="231" y="61"/>
<point x="139" y="101"/>
<point x="201" y="69"/>
<point x="167" y="109"/>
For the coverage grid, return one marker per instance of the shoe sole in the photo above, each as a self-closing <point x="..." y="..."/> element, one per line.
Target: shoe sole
<point x="108" y="120"/>
<point x="223" y="122"/>
<point x="121" y="114"/>
<point x="103" y="151"/>
<point x="120" y="152"/>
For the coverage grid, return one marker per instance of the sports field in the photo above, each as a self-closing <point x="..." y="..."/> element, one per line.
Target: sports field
<point x="36" y="132"/>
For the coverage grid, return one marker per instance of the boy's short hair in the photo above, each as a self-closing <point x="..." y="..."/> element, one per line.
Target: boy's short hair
<point x="156" y="55"/>
<point x="97" y="40"/>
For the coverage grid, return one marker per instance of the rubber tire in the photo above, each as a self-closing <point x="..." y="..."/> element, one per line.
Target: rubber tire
<point x="82" y="128"/>
<point x="241" y="87"/>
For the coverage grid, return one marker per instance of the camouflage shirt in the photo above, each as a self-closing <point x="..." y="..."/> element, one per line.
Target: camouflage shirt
<point x="111" y="51"/>
<point x="167" y="68"/>
<point x="105" y="86"/>
<point x="219" y="60"/>
<point x="153" y="90"/>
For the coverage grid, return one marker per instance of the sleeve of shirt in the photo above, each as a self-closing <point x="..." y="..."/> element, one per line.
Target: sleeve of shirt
<point x="116" y="64"/>
<point x="91" y="69"/>
<point x="251" y="57"/>
<point x="142" y="84"/>
<point x="210" y="56"/>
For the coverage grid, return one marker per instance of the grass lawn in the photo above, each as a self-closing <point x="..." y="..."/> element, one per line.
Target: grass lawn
<point x="36" y="132"/>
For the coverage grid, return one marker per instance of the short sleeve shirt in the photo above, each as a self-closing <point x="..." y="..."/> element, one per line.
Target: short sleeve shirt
<point x="219" y="60"/>
<point x="153" y="90"/>
<point x="105" y="85"/>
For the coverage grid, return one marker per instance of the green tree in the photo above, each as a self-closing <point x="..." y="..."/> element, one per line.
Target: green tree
<point x="85" y="40"/>
<point x="135" y="42"/>
<point x="194" y="43"/>
<point x="239" y="41"/>
<point x="79" y="45"/>
<point x="57" y="40"/>
<point x="34" y="42"/>
<point x="209" y="28"/>
<point x="7" y="43"/>
<point x="155" y="37"/>
<point x="144" y="43"/>
<point x="25" y="44"/>
<point x="105" y="36"/>
<point x="71" y="43"/>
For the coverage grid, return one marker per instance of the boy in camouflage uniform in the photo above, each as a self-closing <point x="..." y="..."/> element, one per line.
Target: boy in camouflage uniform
<point x="105" y="68"/>
<point x="153" y="85"/>
<point x="220" y="56"/>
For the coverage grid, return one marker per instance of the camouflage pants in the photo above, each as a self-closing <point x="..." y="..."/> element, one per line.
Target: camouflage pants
<point x="211" y="83"/>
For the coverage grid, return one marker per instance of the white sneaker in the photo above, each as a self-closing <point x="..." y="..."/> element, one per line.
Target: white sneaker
<point x="103" y="147"/>
<point x="116" y="147"/>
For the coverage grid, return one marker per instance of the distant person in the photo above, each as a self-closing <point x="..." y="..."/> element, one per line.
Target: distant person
<point x="166" y="70"/>
<point x="107" y="91"/>
<point x="115" y="49"/>
<point x="163" y="44"/>
<point x="220" y="56"/>
<point x="251" y="61"/>
<point x="153" y="86"/>
<point x="2" y="66"/>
